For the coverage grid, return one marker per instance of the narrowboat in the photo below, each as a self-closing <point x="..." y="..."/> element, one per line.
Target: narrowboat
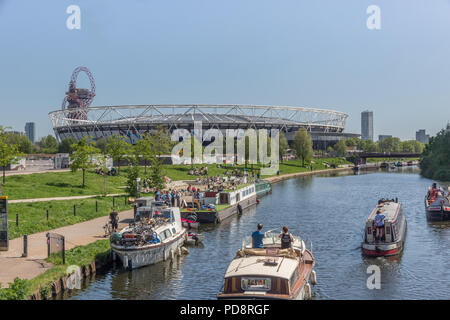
<point x="232" y="202"/>
<point x="393" y="233"/>
<point x="437" y="205"/>
<point x="262" y="188"/>
<point x="156" y="237"/>
<point x="270" y="272"/>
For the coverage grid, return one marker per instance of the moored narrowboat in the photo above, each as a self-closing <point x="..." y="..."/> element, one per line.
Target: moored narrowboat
<point x="156" y="237"/>
<point x="270" y="272"/>
<point x="385" y="230"/>
<point x="263" y="187"/>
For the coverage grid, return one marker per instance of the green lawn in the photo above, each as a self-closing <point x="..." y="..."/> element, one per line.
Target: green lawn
<point x="33" y="218"/>
<point x="60" y="184"/>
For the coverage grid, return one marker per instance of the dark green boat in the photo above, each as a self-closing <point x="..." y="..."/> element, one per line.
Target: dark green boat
<point x="262" y="188"/>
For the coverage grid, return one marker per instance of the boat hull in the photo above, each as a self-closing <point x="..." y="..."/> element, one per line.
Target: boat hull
<point x="137" y="257"/>
<point x="382" y="250"/>
<point x="437" y="213"/>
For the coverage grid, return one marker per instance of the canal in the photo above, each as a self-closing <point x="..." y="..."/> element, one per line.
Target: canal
<point x="330" y="211"/>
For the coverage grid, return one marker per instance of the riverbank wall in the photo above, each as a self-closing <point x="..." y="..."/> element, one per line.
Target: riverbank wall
<point x="276" y="179"/>
<point x="49" y="289"/>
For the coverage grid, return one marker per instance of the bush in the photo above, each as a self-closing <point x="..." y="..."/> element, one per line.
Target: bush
<point x="18" y="290"/>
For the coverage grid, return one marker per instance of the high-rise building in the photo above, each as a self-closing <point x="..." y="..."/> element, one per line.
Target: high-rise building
<point x="30" y="131"/>
<point x="421" y="136"/>
<point x="367" y="125"/>
<point x="381" y="137"/>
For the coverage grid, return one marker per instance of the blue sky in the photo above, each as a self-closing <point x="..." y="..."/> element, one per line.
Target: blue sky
<point x="313" y="53"/>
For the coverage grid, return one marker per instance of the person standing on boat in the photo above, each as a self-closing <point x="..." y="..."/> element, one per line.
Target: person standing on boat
<point x="378" y="222"/>
<point x="257" y="237"/>
<point x="286" y="238"/>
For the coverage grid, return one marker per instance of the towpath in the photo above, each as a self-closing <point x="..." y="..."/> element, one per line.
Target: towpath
<point x="13" y="265"/>
<point x="64" y="198"/>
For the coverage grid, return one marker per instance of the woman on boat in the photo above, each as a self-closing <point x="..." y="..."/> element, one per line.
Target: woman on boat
<point x="378" y="222"/>
<point x="286" y="238"/>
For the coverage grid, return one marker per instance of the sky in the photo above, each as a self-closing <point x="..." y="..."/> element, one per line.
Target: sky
<point x="315" y="53"/>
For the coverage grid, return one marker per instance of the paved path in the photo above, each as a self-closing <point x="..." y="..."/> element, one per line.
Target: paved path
<point x="13" y="265"/>
<point x="22" y="172"/>
<point x="64" y="198"/>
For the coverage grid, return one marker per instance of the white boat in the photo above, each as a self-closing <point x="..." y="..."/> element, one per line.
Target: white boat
<point x="151" y="240"/>
<point x="271" y="272"/>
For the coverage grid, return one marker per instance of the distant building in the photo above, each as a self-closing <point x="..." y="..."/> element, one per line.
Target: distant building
<point x="381" y="137"/>
<point x="16" y="132"/>
<point x="30" y="131"/>
<point x="421" y="136"/>
<point x="367" y="125"/>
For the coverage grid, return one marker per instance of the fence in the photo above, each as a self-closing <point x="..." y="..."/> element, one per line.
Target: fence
<point x="56" y="244"/>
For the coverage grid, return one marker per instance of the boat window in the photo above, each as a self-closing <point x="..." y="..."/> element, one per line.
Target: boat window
<point x="256" y="284"/>
<point x="167" y="233"/>
<point x="162" y="236"/>
<point x="174" y="231"/>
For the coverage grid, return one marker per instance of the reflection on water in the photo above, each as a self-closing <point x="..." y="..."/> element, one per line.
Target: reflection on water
<point x="329" y="210"/>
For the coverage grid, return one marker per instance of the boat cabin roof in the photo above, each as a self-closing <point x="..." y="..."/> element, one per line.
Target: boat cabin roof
<point x="389" y="209"/>
<point x="255" y="266"/>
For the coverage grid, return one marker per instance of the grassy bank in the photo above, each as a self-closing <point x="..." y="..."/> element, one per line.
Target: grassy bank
<point x="33" y="219"/>
<point x="79" y="256"/>
<point x="60" y="184"/>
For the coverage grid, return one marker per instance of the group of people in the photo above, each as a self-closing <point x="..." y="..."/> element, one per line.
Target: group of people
<point x="434" y="192"/>
<point x="196" y="172"/>
<point x="170" y="197"/>
<point x="258" y="236"/>
<point x="110" y="172"/>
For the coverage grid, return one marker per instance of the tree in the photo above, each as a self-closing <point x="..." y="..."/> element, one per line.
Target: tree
<point x="160" y="141"/>
<point x="434" y="162"/>
<point x="24" y="144"/>
<point x="66" y="145"/>
<point x="282" y="146"/>
<point x="48" y="144"/>
<point x="8" y="152"/>
<point x="303" y="145"/>
<point x="391" y="144"/>
<point x="368" y="146"/>
<point x="132" y="175"/>
<point x="341" y="148"/>
<point x="117" y="148"/>
<point x="83" y="157"/>
<point x="143" y="150"/>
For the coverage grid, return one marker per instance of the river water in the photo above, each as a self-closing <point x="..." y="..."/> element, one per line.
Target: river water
<point x="329" y="210"/>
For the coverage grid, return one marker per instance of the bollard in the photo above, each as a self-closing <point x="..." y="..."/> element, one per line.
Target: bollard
<point x="96" y="205"/>
<point x="64" y="250"/>
<point x="17" y="219"/>
<point x="47" y="215"/>
<point x="74" y="210"/>
<point x="114" y="202"/>
<point x="25" y="246"/>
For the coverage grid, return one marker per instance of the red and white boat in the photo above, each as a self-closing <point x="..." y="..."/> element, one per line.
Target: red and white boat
<point x="393" y="232"/>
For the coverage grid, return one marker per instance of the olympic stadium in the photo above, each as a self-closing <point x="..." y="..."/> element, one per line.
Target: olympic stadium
<point x="77" y="119"/>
